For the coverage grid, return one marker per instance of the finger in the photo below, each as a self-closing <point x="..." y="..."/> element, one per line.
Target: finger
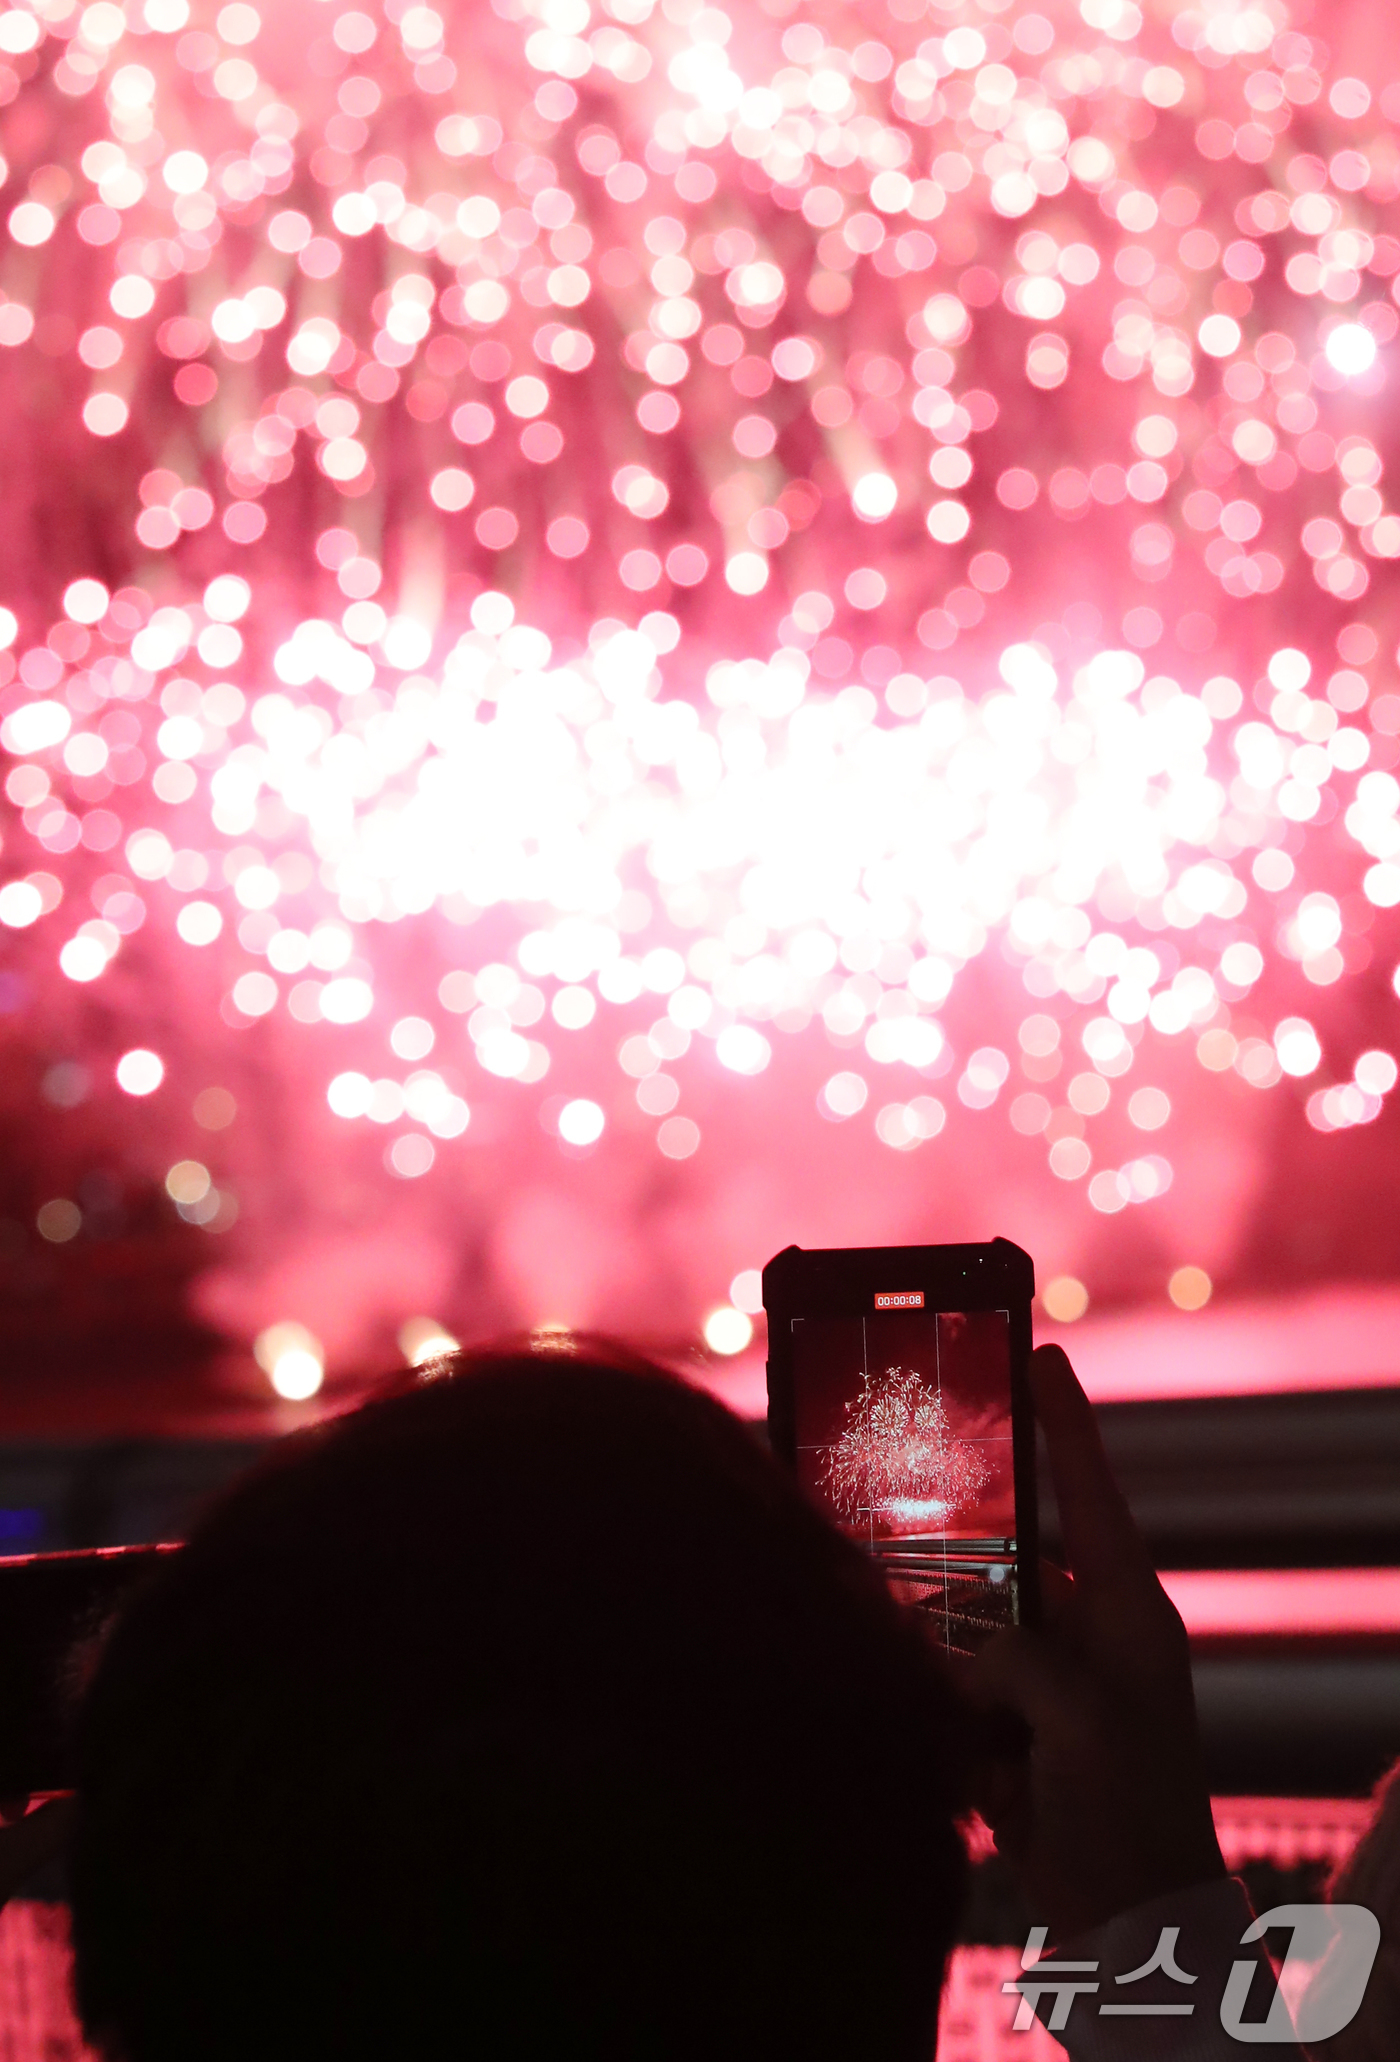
<point x="1101" y="1541"/>
<point x="12" y="1808"/>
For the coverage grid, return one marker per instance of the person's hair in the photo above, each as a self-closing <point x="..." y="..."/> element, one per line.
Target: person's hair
<point x="531" y="1712"/>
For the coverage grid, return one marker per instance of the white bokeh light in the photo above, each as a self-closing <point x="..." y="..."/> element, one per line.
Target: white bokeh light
<point x="1351" y="349"/>
<point x="581" y="1122"/>
<point x="728" y="1330"/>
<point x="140" y="1071"/>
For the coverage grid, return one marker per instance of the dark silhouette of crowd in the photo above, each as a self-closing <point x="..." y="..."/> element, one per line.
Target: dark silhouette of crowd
<point x="530" y="1710"/>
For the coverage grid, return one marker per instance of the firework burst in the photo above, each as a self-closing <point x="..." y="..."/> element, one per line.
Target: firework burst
<point x="898" y="1460"/>
<point x="561" y="557"/>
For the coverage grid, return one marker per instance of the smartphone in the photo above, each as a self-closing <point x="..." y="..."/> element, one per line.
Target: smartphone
<point x="54" y="1609"/>
<point x="897" y="1391"/>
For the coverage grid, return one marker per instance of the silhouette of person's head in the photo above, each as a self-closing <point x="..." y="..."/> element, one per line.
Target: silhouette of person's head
<point x="526" y="1712"/>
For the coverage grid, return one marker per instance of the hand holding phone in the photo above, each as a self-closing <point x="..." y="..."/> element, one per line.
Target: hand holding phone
<point x="896" y="1391"/>
<point x="1111" y="1807"/>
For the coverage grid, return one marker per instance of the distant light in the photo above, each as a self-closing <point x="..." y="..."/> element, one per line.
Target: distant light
<point x="105" y="414"/>
<point x="1376" y="1072"/>
<point x="85" y="601"/>
<point x="492" y="612"/>
<point x="746" y="1291"/>
<point x="1190" y="1288"/>
<point x="67" y="1083"/>
<point x="346" y="1000"/>
<point x="1219" y="335"/>
<point x="199" y="923"/>
<point x="31" y="223"/>
<point x="873" y="497"/>
<point x="292" y="1359"/>
<point x="406" y="644"/>
<point x="1296" y="1044"/>
<point x="728" y="1330"/>
<point x="140" y="1072"/>
<point x="410" y="1155"/>
<point x="255" y="994"/>
<point x="422" y="1339"/>
<point x="1149" y="1108"/>
<point x="1350" y="349"/>
<point x="580" y="1122"/>
<point x="747" y="572"/>
<point x="412" y="1038"/>
<point x="59" y="1221"/>
<point x="678" y="1137"/>
<point x="1273" y="870"/>
<point x="188" y="1182"/>
<point x="35" y="727"/>
<point x="843" y="1096"/>
<point x="1290" y="668"/>
<point x="214" y="1109"/>
<point x="1025" y="668"/>
<point x="1242" y="963"/>
<point x="1064" y="1299"/>
<point x="149" y="854"/>
<point x="452" y="489"/>
<point x="184" y="171"/>
<point x="349" y="1094"/>
<point x="297" y="1375"/>
<point x="742" y="1049"/>
<point x="257" y="887"/>
<point x="84" y="958"/>
<point x="21" y="904"/>
<point x="1070" y="1158"/>
<point x="573" y="1007"/>
<point x="226" y="598"/>
<point x="1318" y="923"/>
<point x="866" y="587"/>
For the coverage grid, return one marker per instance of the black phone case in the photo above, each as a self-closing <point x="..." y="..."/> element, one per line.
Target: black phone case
<point x="843" y="1282"/>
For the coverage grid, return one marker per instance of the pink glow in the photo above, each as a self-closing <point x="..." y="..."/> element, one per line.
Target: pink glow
<point x="975" y="2022"/>
<point x="1302" y="1603"/>
<point x="805" y="602"/>
<point x="1334" y="1339"/>
<point x="1289" y="1830"/>
<point x="1331" y="1339"/>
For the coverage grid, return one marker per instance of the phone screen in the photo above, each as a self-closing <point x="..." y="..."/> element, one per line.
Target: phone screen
<point x="903" y="1430"/>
